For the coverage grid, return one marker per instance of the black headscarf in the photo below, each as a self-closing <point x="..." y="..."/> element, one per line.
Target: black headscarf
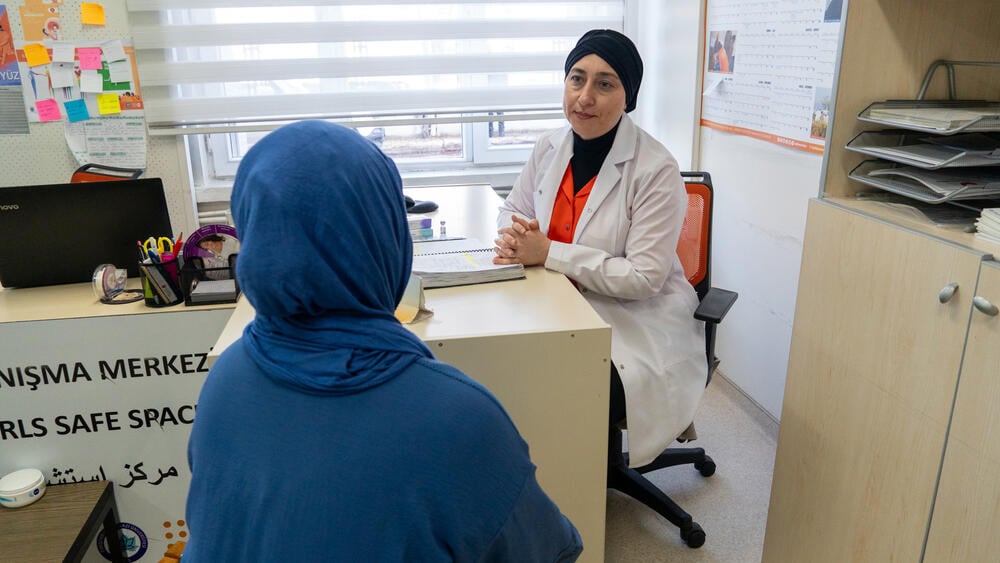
<point x="619" y="52"/>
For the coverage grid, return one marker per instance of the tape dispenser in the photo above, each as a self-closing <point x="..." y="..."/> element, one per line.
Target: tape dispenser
<point x="109" y="285"/>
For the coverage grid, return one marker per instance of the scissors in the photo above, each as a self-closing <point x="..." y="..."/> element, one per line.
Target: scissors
<point x="160" y="245"/>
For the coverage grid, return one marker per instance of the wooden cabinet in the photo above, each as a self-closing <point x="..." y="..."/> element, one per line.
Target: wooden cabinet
<point x="966" y="519"/>
<point x="889" y="445"/>
<point x="872" y="372"/>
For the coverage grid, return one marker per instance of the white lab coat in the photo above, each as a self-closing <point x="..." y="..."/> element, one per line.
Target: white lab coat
<point x="624" y="260"/>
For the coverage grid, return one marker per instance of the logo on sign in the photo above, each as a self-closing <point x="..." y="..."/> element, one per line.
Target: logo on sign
<point x="133" y="538"/>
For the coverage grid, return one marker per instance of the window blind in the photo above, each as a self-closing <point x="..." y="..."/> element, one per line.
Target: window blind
<point x="218" y="65"/>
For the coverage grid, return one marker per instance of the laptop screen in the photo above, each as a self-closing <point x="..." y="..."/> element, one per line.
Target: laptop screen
<point x="59" y="233"/>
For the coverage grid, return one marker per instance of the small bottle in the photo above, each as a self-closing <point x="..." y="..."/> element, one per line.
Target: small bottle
<point x="444" y="230"/>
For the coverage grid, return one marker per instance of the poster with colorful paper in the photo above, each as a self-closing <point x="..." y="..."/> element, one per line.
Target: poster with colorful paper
<point x="47" y="81"/>
<point x="13" y="118"/>
<point x="10" y="75"/>
<point x="40" y="20"/>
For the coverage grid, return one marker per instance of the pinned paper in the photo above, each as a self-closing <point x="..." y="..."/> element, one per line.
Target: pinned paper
<point x="108" y="104"/>
<point x="48" y="110"/>
<point x="91" y="81"/>
<point x="113" y="50"/>
<point x="120" y="71"/>
<point x="36" y="54"/>
<point x="62" y="75"/>
<point x="76" y="110"/>
<point x="90" y="58"/>
<point x="40" y="20"/>
<point x="63" y="52"/>
<point x="92" y="13"/>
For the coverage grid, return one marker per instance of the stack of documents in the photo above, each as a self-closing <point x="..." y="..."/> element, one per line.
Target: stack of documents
<point x="931" y="186"/>
<point x="931" y="152"/>
<point x="204" y="292"/>
<point x="988" y="225"/>
<point x="928" y="117"/>
<point x="459" y="262"/>
<point x="964" y="183"/>
<point x="942" y="216"/>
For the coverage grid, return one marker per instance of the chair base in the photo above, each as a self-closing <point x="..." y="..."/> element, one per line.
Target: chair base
<point x="631" y="482"/>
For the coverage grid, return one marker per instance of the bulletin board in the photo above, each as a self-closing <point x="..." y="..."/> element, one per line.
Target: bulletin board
<point x="769" y="69"/>
<point x="43" y="154"/>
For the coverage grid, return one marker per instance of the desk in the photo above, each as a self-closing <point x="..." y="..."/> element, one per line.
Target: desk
<point x="95" y="392"/>
<point x="538" y="346"/>
<point x="62" y="525"/>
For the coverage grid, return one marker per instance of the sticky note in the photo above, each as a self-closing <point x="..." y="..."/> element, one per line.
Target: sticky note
<point x="113" y="50"/>
<point x="76" y="110"/>
<point x="48" y="110"/>
<point x="92" y="13"/>
<point x="36" y="54"/>
<point x="62" y="75"/>
<point x="63" y="52"/>
<point x="119" y="71"/>
<point x="90" y="58"/>
<point x="91" y="81"/>
<point x="108" y="104"/>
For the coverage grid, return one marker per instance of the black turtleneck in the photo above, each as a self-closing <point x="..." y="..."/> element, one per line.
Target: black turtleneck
<point x="588" y="156"/>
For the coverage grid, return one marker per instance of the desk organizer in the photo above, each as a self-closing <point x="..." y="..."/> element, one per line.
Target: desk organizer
<point x="160" y="283"/>
<point x="205" y="285"/>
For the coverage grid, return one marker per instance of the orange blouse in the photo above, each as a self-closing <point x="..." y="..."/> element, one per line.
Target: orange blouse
<point x="568" y="208"/>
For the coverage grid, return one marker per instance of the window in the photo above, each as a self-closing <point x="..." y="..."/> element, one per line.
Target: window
<point x="439" y="86"/>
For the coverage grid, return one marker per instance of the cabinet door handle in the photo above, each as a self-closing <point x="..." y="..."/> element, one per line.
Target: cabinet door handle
<point x="985" y="306"/>
<point x="947" y="292"/>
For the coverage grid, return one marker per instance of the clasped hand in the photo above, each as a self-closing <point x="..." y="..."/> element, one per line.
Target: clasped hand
<point x="523" y="242"/>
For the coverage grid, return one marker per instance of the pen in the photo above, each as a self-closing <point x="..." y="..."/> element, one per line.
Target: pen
<point x="153" y="255"/>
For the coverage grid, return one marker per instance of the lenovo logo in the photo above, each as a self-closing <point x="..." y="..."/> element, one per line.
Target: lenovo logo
<point x="9" y="207"/>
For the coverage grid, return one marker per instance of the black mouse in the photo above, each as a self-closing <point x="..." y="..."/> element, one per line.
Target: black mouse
<point x="413" y="206"/>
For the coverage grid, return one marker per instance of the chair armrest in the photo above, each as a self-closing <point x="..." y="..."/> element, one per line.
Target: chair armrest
<point x="715" y="305"/>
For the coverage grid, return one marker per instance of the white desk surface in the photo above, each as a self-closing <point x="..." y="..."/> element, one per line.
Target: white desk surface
<point x="72" y="301"/>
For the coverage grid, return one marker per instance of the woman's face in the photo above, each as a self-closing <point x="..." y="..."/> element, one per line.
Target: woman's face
<point x="593" y="97"/>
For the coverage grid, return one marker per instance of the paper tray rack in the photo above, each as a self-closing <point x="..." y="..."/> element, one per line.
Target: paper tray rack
<point x="910" y="188"/>
<point x="938" y="117"/>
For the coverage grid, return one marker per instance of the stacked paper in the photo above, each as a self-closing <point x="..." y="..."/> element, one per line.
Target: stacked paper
<point x="988" y="225"/>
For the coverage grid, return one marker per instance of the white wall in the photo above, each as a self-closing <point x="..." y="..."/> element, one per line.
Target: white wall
<point x="760" y="206"/>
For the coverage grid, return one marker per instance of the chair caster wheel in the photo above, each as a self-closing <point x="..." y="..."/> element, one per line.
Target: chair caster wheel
<point x="693" y="535"/>
<point x="706" y="468"/>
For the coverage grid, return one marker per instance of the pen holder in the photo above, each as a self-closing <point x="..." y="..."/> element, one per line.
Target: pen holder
<point x="204" y="285"/>
<point x="160" y="283"/>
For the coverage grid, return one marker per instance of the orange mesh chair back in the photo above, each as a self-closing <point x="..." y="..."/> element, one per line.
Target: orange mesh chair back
<point x="693" y="246"/>
<point x="101" y="173"/>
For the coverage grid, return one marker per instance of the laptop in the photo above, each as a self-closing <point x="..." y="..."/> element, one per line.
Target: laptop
<point x="59" y="233"/>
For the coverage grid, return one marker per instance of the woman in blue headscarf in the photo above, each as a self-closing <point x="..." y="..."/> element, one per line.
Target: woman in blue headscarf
<point x="328" y="432"/>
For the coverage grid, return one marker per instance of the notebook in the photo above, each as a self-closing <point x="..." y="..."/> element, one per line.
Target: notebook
<point x="59" y="233"/>
<point x="459" y="262"/>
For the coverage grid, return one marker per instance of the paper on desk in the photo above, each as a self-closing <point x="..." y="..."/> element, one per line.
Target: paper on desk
<point x="412" y="307"/>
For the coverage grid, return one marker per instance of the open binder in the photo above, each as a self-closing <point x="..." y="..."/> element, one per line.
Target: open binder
<point x="459" y="262"/>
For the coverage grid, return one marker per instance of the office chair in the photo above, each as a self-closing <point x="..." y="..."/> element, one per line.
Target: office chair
<point x="102" y="173"/>
<point x="694" y="250"/>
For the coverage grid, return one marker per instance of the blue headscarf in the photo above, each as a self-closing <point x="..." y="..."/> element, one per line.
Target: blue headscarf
<point x="325" y="255"/>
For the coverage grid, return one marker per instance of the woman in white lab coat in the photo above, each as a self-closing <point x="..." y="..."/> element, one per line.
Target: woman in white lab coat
<point x="603" y="202"/>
